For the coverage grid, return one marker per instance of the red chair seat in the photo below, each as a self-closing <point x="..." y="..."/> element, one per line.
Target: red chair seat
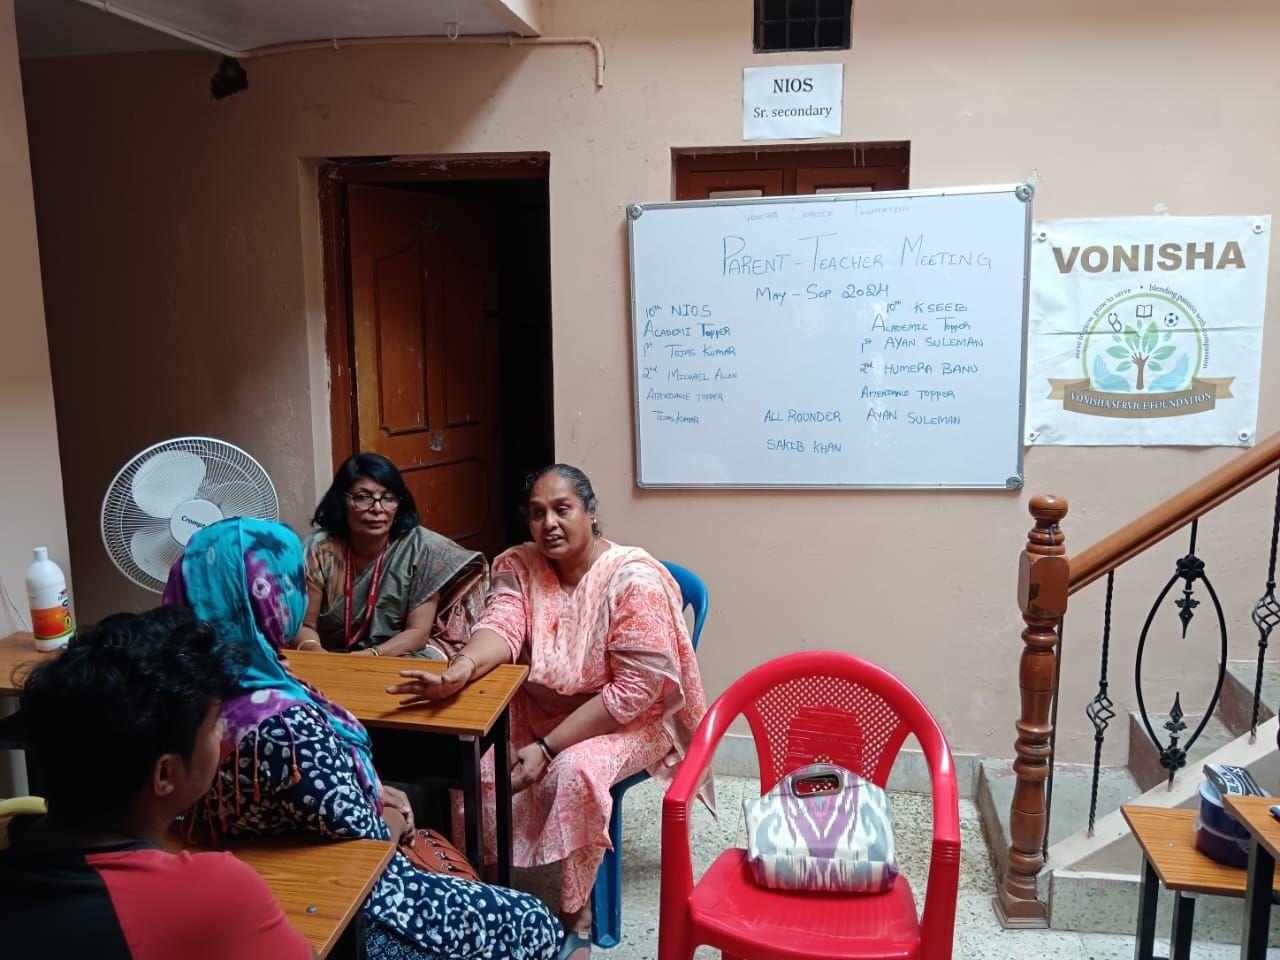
<point x="742" y="918"/>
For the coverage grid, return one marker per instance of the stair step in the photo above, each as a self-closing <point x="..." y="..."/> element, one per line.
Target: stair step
<point x="1236" y="703"/>
<point x="1144" y="758"/>
<point x="1072" y="783"/>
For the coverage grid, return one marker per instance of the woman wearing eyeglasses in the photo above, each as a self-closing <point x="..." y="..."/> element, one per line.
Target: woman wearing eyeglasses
<point x="378" y="582"/>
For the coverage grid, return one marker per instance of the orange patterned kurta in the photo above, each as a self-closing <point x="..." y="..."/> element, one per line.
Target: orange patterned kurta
<point x="620" y="634"/>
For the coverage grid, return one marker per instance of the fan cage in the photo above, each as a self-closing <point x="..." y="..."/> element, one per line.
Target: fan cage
<point x="233" y="480"/>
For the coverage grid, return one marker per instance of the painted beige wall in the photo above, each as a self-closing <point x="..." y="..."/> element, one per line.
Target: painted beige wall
<point x="184" y="286"/>
<point x="31" y="509"/>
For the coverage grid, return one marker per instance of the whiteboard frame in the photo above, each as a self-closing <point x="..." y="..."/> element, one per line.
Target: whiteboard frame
<point x="1021" y="191"/>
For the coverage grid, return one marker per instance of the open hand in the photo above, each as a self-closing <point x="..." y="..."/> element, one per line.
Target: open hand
<point x="422" y="686"/>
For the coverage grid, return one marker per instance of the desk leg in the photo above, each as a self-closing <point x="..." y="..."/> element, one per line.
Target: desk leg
<point x="502" y="794"/>
<point x="1184" y="912"/>
<point x="1257" y="903"/>
<point x="1148" y="893"/>
<point x="473" y="802"/>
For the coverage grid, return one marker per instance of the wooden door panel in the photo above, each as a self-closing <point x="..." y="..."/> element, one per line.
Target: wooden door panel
<point x="459" y="493"/>
<point x="396" y="303"/>
<point x="704" y="183"/>
<point x="849" y="179"/>
<point x="465" y="347"/>
<point x="425" y="334"/>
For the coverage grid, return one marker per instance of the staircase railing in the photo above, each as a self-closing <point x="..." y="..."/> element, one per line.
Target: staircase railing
<point x="1046" y="579"/>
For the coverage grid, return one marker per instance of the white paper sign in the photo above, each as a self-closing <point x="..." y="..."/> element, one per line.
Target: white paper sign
<point x="792" y="103"/>
<point x="1146" y="330"/>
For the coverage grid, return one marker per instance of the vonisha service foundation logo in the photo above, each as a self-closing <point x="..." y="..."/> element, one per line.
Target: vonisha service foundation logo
<point x="1140" y="354"/>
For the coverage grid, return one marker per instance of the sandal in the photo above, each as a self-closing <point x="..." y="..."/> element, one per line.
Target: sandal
<point x="573" y="942"/>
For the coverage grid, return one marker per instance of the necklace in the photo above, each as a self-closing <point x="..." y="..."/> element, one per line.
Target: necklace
<point x="369" y="604"/>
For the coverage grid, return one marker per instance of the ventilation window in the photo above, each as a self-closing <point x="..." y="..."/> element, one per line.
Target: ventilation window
<point x="803" y="25"/>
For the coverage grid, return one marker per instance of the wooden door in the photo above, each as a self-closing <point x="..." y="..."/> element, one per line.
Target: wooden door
<point x="424" y="329"/>
<point x="774" y="172"/>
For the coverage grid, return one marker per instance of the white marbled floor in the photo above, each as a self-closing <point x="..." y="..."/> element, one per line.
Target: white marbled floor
<point x="978" y="935"/>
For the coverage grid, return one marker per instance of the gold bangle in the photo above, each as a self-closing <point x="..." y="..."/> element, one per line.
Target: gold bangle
<point x="374" y="650"/>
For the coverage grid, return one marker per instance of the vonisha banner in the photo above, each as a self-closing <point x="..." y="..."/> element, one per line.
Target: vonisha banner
<point x="1146" y="330"/>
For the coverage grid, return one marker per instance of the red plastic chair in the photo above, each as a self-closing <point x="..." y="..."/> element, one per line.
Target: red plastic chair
<point x="810" y="708"/>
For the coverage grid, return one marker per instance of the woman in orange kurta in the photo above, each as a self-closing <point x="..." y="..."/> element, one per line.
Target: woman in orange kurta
<point x="613" y="684"/>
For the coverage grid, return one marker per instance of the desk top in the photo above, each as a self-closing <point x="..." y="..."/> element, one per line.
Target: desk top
<point x="1168" y="838"/>
<point x="360" y="685"/>
<point x="17" y="651"/>
<point x="320" y="884"/>
<point x="1254" y="814"/>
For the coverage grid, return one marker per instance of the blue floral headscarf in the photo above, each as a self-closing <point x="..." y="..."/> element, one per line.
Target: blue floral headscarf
<point x="245" y="578"/>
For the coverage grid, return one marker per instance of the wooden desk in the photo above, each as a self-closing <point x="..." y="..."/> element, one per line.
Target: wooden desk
<point x="360" y="684"/>
<point x="17" y="651"/>
<point x="320" y="884"/>
<point x="1169" y="857"/>
<point x="1254" y="814"/>
<point x="459" y="732"/>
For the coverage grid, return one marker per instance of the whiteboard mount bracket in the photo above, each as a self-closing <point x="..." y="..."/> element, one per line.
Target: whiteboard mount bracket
<point x="634" y="210"/>
<point x="1014" y="483"/>
<point x="1025" y="191"/>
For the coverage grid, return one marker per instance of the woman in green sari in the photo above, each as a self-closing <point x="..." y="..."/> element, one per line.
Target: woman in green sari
<point x="379" y="583"/>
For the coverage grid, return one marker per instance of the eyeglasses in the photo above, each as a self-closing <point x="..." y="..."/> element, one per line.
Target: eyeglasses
<point x="364" y="501"/>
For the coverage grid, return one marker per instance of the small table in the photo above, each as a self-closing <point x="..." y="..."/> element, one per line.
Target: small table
<point x="460" y="730"/>
<point x="1254" y="814"/>
<point x="319" y="884"/>
<point x="1169" y="857"/>
<point x="17" y="651"/>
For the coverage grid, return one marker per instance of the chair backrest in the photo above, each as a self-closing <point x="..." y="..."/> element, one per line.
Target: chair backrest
<point x="829" y="707"/>
<point x="694" y="593"/>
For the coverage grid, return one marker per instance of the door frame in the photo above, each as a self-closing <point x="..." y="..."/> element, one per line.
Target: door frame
<point x="335" y="175"/>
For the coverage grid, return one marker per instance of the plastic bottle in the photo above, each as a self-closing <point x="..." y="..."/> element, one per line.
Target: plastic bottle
<point x="51" y="619"/>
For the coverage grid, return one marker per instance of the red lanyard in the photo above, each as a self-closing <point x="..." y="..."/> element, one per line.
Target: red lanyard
<point x="368" y="608"/>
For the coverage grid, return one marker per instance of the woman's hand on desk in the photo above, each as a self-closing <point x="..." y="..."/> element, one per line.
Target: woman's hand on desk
<point x="423" y="686"/>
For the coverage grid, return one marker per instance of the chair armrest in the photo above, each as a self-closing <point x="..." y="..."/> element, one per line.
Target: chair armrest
<point x="937" y="926"/>
<point x="677" y="862"/>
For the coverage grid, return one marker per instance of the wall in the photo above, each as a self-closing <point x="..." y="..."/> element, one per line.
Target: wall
<point x="31" y="509"/>
<point x="184" y="288"/>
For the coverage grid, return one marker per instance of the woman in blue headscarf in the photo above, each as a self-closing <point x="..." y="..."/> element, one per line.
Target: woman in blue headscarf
<point x="296" y="761"/>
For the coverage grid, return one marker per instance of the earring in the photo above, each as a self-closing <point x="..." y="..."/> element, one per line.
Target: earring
<point x="595" y="527"/>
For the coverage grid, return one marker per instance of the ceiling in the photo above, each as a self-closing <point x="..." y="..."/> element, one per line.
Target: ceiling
<point x="62" y="28"/>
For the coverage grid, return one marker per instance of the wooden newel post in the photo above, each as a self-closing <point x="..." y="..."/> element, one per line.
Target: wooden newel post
<point x="1043" y="580"/>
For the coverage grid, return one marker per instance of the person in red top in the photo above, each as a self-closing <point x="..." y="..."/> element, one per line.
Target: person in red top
<point x="124" y="725"/>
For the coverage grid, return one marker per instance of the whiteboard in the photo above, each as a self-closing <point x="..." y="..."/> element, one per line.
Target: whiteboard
<point x="849" y="340"/>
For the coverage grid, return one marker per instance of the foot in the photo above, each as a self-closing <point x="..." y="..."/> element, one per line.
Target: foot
<point x="576" y="946"/>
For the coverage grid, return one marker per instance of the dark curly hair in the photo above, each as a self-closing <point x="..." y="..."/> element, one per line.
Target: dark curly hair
<point x="122" y="694"/>
<point x="331" y="514"/>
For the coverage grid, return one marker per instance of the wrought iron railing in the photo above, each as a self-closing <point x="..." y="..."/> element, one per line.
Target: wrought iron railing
<point x="1047" y="579"/>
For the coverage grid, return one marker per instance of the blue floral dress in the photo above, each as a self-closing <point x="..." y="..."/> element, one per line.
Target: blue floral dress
<point x="292" y="774"/>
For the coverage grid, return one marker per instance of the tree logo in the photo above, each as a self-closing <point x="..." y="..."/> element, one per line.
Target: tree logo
<point x="1141" y="355"/>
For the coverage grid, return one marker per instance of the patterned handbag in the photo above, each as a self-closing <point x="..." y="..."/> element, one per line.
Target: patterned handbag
<point x="822" y="828"/>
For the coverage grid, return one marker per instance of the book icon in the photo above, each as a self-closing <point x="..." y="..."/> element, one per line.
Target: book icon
<point x="1143" y="311"/>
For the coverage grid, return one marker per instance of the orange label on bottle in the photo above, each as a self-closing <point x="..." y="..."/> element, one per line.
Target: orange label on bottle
<point x="51" y="623"/>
